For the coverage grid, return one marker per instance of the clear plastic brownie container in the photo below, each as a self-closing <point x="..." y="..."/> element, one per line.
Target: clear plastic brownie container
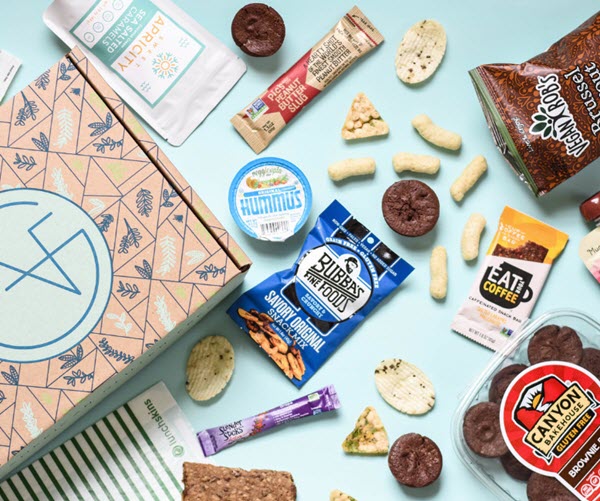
<point x="489" y="470"/>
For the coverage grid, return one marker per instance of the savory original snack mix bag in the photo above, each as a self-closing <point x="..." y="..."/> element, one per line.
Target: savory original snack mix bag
<point x="299" y="316"/>
<point x="545" y="113"/>
<point x="510" y="280"/>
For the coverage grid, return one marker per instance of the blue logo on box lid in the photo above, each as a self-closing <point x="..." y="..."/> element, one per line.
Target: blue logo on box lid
<point x="270" y="199"/>
<point x="55" y="275"/>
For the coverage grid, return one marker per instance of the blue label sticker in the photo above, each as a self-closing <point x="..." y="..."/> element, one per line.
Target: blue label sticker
<point x="301" y="315"/>
<point x="55" y="275"/>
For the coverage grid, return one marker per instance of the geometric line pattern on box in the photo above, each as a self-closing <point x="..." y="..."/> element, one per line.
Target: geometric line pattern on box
<point x="59" y="135"/>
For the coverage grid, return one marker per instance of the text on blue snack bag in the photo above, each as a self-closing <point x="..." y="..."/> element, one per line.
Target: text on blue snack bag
<point x="300" y="316"/>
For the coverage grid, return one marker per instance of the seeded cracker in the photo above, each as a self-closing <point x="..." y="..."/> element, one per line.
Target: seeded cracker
<point x="340" y="496"/>
<point x="421" y="51"/>
<point x="363" y="120"/>
<point x="368" y="437"/>
<point x="209" y="367"/>
<point x="404" y="386"/>
<point x="204" y="482"/>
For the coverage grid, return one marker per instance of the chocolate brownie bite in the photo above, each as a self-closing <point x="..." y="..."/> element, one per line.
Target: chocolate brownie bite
<point x="554" y="343"/>
<point x="481" y="430"/>
<point x="515" y="468"/>
<point x="415" y="460"/>
<point x="258" y="30"/>
<point x="410" y="208"/>
<point x="501" y="381"/>
<point x="542" y="488"/>
<point x="591" y="361"/>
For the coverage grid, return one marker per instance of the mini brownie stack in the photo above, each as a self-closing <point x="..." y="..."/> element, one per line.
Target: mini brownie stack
<point x="481" y="424"/>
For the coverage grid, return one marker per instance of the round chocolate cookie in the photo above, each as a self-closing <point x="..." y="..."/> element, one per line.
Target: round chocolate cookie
<point x="591" y="361"/>
<point x="502" y="380"/>
<point x="514" y="467"/>
<point x="481" y="429"/>
<point x="258" y="30"/>
<point x="415" y="460"/>
<point x="541" y="488"/>
<point x="554" y="343"/>
<point x="410" y="208"/>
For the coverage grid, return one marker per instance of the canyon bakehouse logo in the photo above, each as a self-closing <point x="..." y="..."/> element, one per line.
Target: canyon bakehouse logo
<point x="550" y="420"/>
<point x="553" y="413"/>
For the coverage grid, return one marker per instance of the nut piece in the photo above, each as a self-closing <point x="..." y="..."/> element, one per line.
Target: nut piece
<point x="351" y="167"/>
<point x="468" y="178"/>
<point x="424" y="164"/>
<point x="469" y="244"/>
<point x="436" y="134"/>
<point x="438" y="265"/>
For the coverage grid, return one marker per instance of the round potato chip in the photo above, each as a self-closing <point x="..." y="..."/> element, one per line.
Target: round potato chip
<point x="421" y="51"/>
<point x="404" y="386"/>
<point x="209" y="367"/>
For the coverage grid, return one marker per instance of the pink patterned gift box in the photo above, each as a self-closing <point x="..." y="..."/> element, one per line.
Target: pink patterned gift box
<point x="106" y="253"/>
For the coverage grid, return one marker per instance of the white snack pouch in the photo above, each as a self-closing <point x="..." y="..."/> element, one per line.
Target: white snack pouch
<point x="9" y="65"/>
<point x="169" y="69"/>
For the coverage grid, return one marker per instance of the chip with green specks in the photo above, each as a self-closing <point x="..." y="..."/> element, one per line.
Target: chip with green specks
<point x="421" y="51"/>
<point x="340" y="496"/>
<point x="404" y="386"/>
<point x="368" y="437"/>
<point x="209" y="368"/>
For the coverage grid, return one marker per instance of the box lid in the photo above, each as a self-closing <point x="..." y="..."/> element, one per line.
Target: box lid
<point x="92" y="174"/>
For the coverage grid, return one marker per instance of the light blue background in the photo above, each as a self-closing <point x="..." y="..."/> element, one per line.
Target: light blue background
<point x="410" y="325"/>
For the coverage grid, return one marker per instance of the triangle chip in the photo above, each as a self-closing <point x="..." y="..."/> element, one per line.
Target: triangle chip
<point x="340" y="496"/>
<point x="363" y="120"/>
<point x="368" y="437"/>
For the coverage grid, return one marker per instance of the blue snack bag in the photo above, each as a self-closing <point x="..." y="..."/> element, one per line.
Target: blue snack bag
<point x="300" y="316"/>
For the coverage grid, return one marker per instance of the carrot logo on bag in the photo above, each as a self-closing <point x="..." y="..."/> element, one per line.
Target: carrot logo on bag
<point x="550" y="421"/>
<point x="553" y="119"/>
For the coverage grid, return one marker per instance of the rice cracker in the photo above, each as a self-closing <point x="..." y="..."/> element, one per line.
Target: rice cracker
<point x="368" y="437"/>
<point x="363" y="120"/>
<point x="421" y="51"/>
<point x="404" y="386"/>
<point x="209" y="367"/>
<point x="340" y="496"/>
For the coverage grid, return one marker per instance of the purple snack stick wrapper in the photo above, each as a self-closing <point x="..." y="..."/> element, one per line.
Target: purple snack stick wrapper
<point x="214" y="440"/>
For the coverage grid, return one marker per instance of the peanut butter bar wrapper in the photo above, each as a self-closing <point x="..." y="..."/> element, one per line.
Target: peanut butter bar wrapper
<point x="351" y="38"/>
<point x="544" y="114"/>
<point x="510" y="280"/>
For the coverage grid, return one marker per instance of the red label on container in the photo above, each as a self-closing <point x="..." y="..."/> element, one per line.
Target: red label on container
<point x="550" y="419"/>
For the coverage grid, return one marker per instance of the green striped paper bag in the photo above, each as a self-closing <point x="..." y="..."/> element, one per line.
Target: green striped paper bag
<point x="136" y="452"/>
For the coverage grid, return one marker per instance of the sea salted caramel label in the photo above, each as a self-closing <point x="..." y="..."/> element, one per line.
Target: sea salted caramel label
<point x="550" y="419"/>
